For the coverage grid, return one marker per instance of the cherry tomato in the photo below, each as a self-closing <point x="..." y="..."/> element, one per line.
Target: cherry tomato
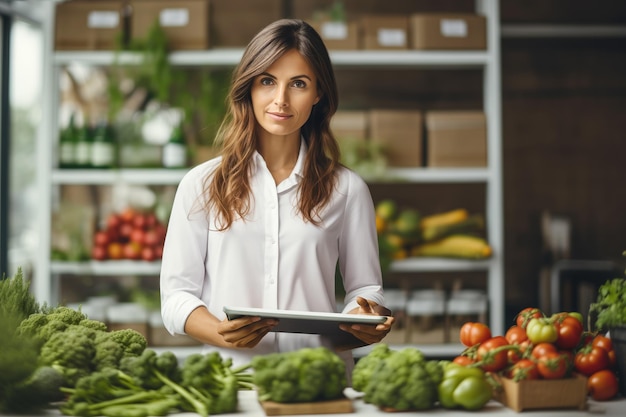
<point x="492" y="354"/>
<point x="524" y="316"/>
<point x="590" y="360"/>
<point x="569" y="332"/>
<point x="473" y="333"/>
<point x="602" y="385"/>
<point x="515" y="335"/>
<point x="524" y="369"/>
<point x="552" y="365"/>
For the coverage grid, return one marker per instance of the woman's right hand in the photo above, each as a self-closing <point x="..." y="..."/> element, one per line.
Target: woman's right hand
<point x="245" y="332"/>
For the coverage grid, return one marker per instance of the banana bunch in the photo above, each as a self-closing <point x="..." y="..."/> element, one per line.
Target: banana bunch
<point x="404" y="233"/>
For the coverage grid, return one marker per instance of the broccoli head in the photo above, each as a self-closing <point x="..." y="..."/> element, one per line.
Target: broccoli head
<point x="402" y="382"/>
<point x="364" y="367"/>
<point x="308" y="374"/>
<point x="72" y="350"/>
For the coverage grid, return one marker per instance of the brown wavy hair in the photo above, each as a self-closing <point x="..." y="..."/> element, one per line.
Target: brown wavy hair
<point x="228" y="187"/>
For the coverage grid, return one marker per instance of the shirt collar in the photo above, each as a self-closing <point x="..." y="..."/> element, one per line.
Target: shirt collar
<point x="298" y="169"/>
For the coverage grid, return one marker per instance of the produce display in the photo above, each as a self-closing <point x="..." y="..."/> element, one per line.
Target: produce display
<point x="406" y="233"/>
<point x="131" y="234"/>
<point x="543" y="347"/>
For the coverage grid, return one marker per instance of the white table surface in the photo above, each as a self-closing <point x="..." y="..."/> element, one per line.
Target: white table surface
<point x="249" y="406"/>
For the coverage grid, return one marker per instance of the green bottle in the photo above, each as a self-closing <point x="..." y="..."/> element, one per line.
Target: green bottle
<point x="83" y="147"/>
<point x="103" y="147"/>
<point x="68" y="139"/>
<point x="175" y="150"/>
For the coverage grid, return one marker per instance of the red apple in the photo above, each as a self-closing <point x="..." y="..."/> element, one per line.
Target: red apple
<point x="139" y="221"/>
<point x="148" y="254"/>
<point x="137" y="235"/>
<point x="101" y="238"/>
<point x="113" y="221"/>
<point x="99" y="252"/>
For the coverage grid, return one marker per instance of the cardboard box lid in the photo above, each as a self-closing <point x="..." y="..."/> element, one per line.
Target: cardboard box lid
<point x="85" y="24"/>
<point x="461" y="119"/>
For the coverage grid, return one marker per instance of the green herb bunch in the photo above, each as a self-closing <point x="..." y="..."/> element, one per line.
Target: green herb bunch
<point x="610" y="305"/>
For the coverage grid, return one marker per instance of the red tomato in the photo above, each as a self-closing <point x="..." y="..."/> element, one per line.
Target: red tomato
<point x="591" y="359"/>
<point x="473" y="333"/>
<point x="491" y="357"/>
<point x="148" y="254"/>
<point x="463" y="360"/>
<point x="524" y="369"/>
<point x="515" y="355"/>
<point x="131" y="250"/>
<point x="515" y="335"/>
<point x="552" y="365"/>
<point x="524" y="316"/>
<point x="570" y="331"/>
<point x="137" y="235"/>
<point x="602" y="385"/>
<point x="540" y="349"/>
<point x="606" y="344"/>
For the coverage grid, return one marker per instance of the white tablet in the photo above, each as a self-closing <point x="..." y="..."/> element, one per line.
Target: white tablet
<point x="325" y="324"/>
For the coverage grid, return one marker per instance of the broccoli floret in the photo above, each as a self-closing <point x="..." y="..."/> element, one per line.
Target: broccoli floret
<point x="133" y="342"/>
<point x="364" y="367"/>
<point x="73" y="350"/>
<point x="44" y="325"/>
<point x="401" y="382"/>
<point x="94" y="324"/>
<point x="308" y="374"/>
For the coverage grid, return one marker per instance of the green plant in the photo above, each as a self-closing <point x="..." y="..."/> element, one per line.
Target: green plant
<point x="200" y="93"/>
<point x="610" y="305"/>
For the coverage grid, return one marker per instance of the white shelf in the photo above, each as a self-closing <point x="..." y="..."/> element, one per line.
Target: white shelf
<point x="433" y="175"/>
<point x="114" y="176"/>
<point x="101" y="268"/>
<point x="440" y="265"/>
<point x="230" y="58"/>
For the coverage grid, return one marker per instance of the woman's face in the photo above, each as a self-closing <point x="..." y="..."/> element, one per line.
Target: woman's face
<point x="284" y="95"/>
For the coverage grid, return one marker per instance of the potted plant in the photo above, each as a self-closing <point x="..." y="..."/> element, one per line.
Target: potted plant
<point x="609" y="311"/>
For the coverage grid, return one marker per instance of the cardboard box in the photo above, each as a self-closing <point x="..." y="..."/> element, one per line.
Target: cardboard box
<point x="185" y="22"/>
<point x="338" y="35"/>
<point x="400" y="134"/>
<point x="448" y="31"/>
<point x="456" y="139"/>
<point x="89" y="24"/>
<point x="235" y="22"/>
<point x="349" y="124"/>
<point x="384" y="32"/>
<point x="543" y="393"/>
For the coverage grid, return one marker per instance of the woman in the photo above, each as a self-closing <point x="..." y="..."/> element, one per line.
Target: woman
<point x="265" y="224"/>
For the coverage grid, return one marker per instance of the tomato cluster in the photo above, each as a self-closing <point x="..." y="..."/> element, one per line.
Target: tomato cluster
<point x="131" y="234"/>
<point x="542" y="347"/>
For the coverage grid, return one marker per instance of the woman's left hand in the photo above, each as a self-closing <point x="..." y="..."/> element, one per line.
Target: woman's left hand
<point x="368" y="333"/>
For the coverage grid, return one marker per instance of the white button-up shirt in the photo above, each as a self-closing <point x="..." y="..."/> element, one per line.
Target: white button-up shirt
<point x="272" y="259"/>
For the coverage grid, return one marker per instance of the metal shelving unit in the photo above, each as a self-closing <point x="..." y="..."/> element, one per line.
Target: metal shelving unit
<point x="491" y="176"/>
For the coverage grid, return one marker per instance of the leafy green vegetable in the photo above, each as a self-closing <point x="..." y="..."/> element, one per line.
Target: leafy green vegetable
<point x="364" y="368"/>
<point x="610" y="304"/>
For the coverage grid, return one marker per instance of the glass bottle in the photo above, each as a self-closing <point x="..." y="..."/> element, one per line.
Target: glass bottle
<point x="103" y="147"/>
<point x="68" y="138"/>
<point x="83" y="147"/>
<point x="175" y="150"/>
